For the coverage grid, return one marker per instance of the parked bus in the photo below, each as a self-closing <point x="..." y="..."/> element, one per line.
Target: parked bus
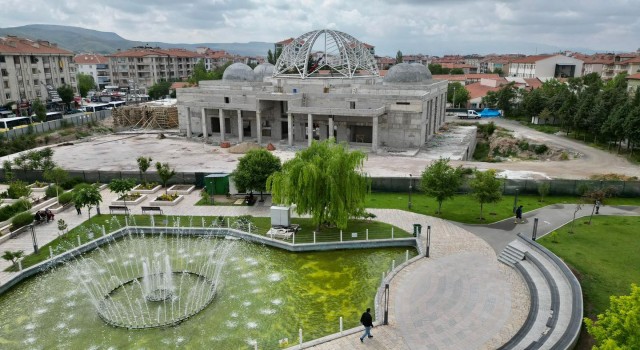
<point x="94" y="107"/>
<point x="116" y="104"/>
<point x="7" y="114"/>
<point x="13" y="123"/>
<point x="53" y="116"/>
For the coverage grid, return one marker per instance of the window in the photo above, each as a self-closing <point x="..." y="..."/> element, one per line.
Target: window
<point x="226" y="100"/>
<point x="7" y="95"/>
<point x="403" y="103"/>
<point x="1" y="59"/>
<point x="352" y="104"/>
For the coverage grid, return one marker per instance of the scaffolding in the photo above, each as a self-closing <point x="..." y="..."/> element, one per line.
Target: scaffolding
<point x="146" y="117"/>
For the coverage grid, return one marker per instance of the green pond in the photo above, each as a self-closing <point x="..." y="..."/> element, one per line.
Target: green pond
<point x="264" y="295"/>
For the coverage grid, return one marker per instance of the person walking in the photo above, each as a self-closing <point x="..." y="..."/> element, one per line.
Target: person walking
<point x="367" y="322"/>
<point x="598" y="206"/>
<point x="78" y="208"/>
<point x="519" y="215"/>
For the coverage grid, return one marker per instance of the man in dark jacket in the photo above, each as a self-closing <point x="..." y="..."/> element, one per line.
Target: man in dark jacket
<point x="519" y="215"/>
<point x="367" y="322"/>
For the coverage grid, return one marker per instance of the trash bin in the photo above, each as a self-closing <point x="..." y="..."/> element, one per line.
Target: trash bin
<point x="417" y="229"/>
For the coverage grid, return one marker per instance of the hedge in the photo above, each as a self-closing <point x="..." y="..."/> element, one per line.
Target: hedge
<point x="21" y="220"/>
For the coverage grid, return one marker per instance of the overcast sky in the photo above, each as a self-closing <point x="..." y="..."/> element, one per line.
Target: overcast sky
<point x="432" y="27"/>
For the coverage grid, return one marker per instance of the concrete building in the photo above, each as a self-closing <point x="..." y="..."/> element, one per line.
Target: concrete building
<point x="633" y="82"/>
<point x="545" y="66"/>
<point x="96" y="66"/>
<point x="32" y="70"/>
<point x="301" y="99"/>
<point x="141" y="67"/>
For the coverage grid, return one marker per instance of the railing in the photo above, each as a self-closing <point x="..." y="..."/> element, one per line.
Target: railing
<point x="39" y="128"/>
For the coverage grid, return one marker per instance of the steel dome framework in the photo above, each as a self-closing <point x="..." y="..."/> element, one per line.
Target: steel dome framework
<point x="341" y="54"/>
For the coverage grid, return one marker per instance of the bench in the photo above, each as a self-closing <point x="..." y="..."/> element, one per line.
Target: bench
<point x="113" y="208"/>
<point x="151" y="209"/>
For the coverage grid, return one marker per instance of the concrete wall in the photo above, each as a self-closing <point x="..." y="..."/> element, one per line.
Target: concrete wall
<point x="546" y="68"/>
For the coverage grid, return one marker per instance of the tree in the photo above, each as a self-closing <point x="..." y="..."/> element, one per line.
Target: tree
<point x="254" y="169"/>
<point x="440" y="180"/>
<point x="89" y="196"/>
<point x="543" y="190"/>
<point x="85" y="83"/>
<point x="270" y="57"/>
<point x="121" y="187"/>
<point x="143" y="164"/>
<point x="166" y="173"/>
<point x="486" y="188"/>
<point x="39" y="110"/>
<point x="456" y="71"/>
<point x="8" y="171"/>
<point x="399" y="57"/>
<point x="56" y="175"/>
<point x="200" y="73"/>
<point x="13" y="256"/>
<point x="498" y="71"/>
<point x="66" y="94"/>
<point x="159" y="90"/>
<point x="324" y="180"/>
<point x="435" y="68"/>
<point x="457" y="94"/>
<point x="619" y="326"/>
<point x="62" y="227"/>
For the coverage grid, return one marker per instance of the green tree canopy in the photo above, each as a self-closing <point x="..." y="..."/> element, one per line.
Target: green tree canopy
<point x="85" y="83"/>
<point x="143" y="164"/>
<point x="325" y="181"/>
<point x="456" y="71"/>
<point x="40" y="110"/>
<point x="56" y="175"/>
<point x="619" y="326"/>
<point x="254" y="169"/>
<point x="270" y="57"/>
<point x="440" y="180"/>
<point x="399" y="57"/>
<point x="159" y="90"/>
<point x="166" y="173"/>
<point x="66" y="94"/>
<point x="86" y="195"/>
<point x="457" y="95"/>
<point x="121" y="187"/>
<point x="486" y="188"/>
<point x="200" y="73"/>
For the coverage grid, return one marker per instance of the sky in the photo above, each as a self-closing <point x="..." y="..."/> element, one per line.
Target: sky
<point x="433" y="27"/>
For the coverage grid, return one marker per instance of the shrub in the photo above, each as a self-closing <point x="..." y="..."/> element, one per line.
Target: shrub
<point x="540" y="149"/>
<point x="21" y="220"/>
<point x="169" y="197"/>
<point x="71" y="183"/>
<point x="66" y="197"/>
<point x="564" y="156"/>
<point x="523" y="145"/>
<point x="53" y="190"/>
<point x="39" y="184"/>
<point x="18" y="189"/>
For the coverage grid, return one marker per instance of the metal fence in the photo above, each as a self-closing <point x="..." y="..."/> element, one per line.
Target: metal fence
<point x="73" y="120"/>
<point x="92" y="176"/>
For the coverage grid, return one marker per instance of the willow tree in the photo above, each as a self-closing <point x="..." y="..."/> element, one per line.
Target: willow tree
<point x="325" y="181"/>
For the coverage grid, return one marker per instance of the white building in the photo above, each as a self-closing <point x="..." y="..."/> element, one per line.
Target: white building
<point x="545" y="66"/>
<point x="94" y="65"/>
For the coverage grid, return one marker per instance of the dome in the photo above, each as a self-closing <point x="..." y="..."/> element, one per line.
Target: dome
<point x="263" y="70"/>
<point x="408" y="73"/>
<point x="327" y="50"/>
<point x="238" y="72"/>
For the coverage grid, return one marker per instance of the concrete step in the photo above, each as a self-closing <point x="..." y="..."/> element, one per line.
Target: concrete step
<point x="510" y="255"/>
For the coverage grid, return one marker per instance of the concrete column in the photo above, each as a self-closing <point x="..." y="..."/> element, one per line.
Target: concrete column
<point x="259" y="124"/>
<point x="443" y="107"/>
<point x="374" y="135"/>
<point x="189" y="135"/>
<point x="331" y="127"/>
<point x="290" y="128"/>
<point x="221" y="119"/>
<point x="423" y="124"/>
<point x="434" y="115"/>
<point x="240" y="127"/>
<point x="309" y="128"/>
<point x="204" y="125"/>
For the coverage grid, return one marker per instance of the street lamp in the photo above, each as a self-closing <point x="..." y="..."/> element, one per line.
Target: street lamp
<point x="453" y="99"/>
<point x="34" y="239"/>
<point x="515" y="201"/>
<point x="410" y="189"/>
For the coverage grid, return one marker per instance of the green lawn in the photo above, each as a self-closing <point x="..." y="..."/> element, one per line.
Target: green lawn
<point x="92" y="229"/>
<point x="604" y="254"/>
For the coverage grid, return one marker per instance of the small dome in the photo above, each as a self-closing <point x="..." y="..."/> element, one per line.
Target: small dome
<point x="238" y="72"/>
<point x="263" y="70"/>
<point x="408" y="73"/>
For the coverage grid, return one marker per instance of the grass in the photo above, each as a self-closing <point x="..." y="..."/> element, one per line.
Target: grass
<point x="92" y="229"/>
<point x="604" y="257"/>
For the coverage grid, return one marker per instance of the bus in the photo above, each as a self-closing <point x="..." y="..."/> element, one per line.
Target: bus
<point x="7" y="114"/>
<point x="53" y="116"/>
<point x="116" y="104"/>
<point x="94" y="107"/>
<point x="15" y="122"/>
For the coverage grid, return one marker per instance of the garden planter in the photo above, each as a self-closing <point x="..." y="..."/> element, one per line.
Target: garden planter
<point x="181" y="189"/>
<point x="151" y="191"/>
<point x="38" y="189"/>
<point x="130" y="202"/>
<point x="166" y="203"/>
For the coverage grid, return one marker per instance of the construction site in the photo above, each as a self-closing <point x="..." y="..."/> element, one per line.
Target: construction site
<point x="161" y="114"/>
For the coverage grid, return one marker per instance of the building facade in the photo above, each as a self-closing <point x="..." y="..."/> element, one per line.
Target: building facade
<point x="32" y="70"/>
<point x="96" y="66"/>
<point x="545" y="66"/>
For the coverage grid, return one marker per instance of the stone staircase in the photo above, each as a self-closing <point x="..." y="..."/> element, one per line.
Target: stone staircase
<point x="555" y="315"/>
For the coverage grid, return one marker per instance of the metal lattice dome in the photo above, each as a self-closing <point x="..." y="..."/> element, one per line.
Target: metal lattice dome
<point x="408" y="73"/>
<point x="238" y="72"/>
<point x="340" y="53"/>
<point x="263" y="70"/>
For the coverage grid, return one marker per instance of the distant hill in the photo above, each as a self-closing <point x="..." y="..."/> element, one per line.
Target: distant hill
<point x="79" y="39"/>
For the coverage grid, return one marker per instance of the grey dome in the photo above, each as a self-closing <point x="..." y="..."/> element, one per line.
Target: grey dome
<point x="238" y="72"/>
<point x="263" y="70"/>
<point x="408" y="73"/>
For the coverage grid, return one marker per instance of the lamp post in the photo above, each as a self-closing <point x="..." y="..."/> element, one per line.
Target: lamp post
<point x="410" y="189"/>
<point x="515" y="201"/>
<point x="34" y="239"/>
<point x="453" y="99"/>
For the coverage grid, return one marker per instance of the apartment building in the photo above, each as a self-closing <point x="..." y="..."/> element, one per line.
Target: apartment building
<point x="142" y="67"/>
<point x="29" y="69"/>
<point x="96" y="66"/>
<point x="545" y="66"/>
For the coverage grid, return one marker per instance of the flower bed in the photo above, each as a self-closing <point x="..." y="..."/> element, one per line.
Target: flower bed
<point x="38" y="186"/>
<point x="149" y="189"/>
<point x="181" y="189"/>
<point x="167" y="200"/>
<point x="131" y="199"/>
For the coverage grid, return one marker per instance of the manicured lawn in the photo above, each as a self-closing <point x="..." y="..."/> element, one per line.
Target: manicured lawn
<point x="605" y="255"/>
<point x="461" y="208"/>
<point x="92" y="229"/>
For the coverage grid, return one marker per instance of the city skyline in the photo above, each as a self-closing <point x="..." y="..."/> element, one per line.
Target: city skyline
<point x="412" y="26"/>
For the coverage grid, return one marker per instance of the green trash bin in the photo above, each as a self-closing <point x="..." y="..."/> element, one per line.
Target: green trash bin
<point x="417" y="229"/>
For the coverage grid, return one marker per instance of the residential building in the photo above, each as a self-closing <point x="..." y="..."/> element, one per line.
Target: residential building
<point x="545" y="66"/>
<point x="96" y="66"/>
<point x="32" y="70"/>
<point x="466" y="68"/>
<point x="602" y="64"/>
<point x="385" y="63"/>
<point x="633" y="82"/>
<point x="142" y="67"/>
<point x="465" y="79"/>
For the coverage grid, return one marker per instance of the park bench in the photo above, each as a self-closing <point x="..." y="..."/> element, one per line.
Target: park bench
<point x="151" y="209"/>
<point x="113" y="208"/>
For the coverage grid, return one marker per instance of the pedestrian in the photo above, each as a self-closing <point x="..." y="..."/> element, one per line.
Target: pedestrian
<point x="519" y="215"/>
<point x="367" y="322"/>
<point x="597" y="206"/>
<point x="78" y="208"/>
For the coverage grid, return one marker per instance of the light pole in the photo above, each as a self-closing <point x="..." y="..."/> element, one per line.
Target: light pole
<point x="515" y="201"/>
<point x="453" y="99"/>
<point x="410" y="189"/>
<point x="34" y="239"/>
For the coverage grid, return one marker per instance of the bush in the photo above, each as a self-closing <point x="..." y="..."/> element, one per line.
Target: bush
<point x="53" y="190"/>
<point x="71" y="183"/>
<point x="21" y="220"/>
<point x="487" y="129"/>
<point x="540" y="149"/>
<point x="10" y="210"/>
<point x="523" y="145"/>
<point x="18" y="189"/>
<point x="65" y="198"/>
